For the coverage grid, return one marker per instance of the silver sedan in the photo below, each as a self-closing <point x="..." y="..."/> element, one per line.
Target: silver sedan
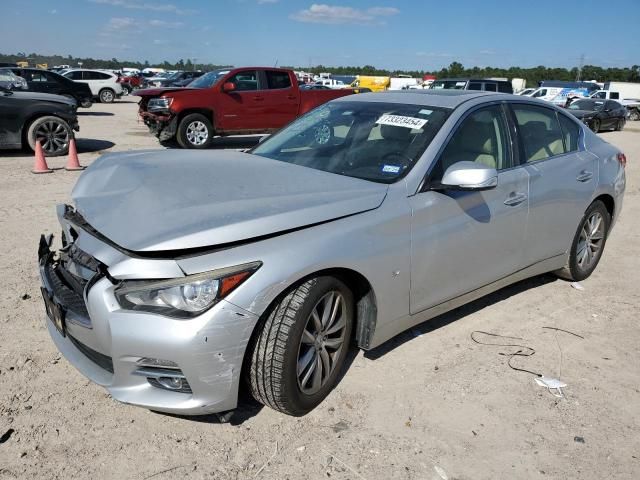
<point x="184" y="276"/>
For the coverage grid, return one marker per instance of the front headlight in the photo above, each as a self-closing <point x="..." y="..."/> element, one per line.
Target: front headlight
<point x="159" y="104"/>
<point x="183" y="297"/>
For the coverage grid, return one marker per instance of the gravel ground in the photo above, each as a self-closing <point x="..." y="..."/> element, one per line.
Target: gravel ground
<point x="429" y="404"/>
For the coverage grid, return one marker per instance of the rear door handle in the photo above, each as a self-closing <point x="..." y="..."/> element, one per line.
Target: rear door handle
<point x="258" y="99"/>
<point x="515" y="199"/>
<point x="584" y="176"/>
<point x="291" y="97"/>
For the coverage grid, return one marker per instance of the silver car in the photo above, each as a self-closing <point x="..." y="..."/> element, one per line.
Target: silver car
<point x="185" y="276"/>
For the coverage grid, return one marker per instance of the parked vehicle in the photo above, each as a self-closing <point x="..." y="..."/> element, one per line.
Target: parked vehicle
<point x="331" y="83"/>
<point x="44" y="81"/>
<point x="172" y="79"/>
<point x="375" y="83"/>
<point x="185" y="275"/>
<point x="599" y="114"/>
<point x="152" y="72"/>
<point x="526" y="92"/>
<point x="518" y="84"/>
<point x="228" y="102"/>
<point x="104" y="85"/>
<point x="632" y="104"/>
<point x="11" y="81"/>
<point x="132" y="81"/>
<point x="485" y="84"/>
<point x="402" y="82"/>
<point x="625" y="90"/>
<point x="558" y="92"/>
<point x="27" y="117"/>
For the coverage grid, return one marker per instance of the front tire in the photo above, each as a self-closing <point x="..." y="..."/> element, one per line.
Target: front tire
<point x="634" y="114"/>
<point x="620" y="125"/>
<point x="588" y="243"/>
<point x="107" y="95"/>
<point x="595" y="126"/>
<point x="298" y="352"/>
<point x="195" y="131"/>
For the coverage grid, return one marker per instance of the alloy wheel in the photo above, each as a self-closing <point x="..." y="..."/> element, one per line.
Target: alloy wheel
<point x="53" y="136"/>
<point x="197" y="133"/>
<point x="591" y="241"/>
<point x="323" y="339"/>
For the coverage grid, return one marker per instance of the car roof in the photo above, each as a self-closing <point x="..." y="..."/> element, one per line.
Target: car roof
<point x="428" y="97"/>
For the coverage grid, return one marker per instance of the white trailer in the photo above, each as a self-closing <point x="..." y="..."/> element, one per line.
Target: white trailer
<point x="627" y="90"/>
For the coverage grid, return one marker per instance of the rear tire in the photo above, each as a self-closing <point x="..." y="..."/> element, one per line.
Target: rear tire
<point x="588" y="243"/>
<point x="54" y="135"/>
<point x="595" y="126"/>
<point x="620" y="125"/>
<point x="634" y="114"/>
<point x="195" y="131"/>
<point x="292" y="368"/>
<point x="107" y="95"/>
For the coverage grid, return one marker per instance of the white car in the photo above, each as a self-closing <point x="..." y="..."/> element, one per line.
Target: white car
<point x="104" y="85"/>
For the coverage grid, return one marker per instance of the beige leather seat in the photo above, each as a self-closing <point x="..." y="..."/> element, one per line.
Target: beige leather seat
<point x="474" y="142"/>
<point x="540" y="143"/>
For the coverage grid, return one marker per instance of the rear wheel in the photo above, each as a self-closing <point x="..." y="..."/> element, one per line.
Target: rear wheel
<point x="620" y="125"/>
<point x="107" y="95"/>
<point x="53" y="133"/>
<point x="297" y="354"/>
<point x="588" y="243"/>
<point x="634" y="114"/>
<point x="195" y="131"/>
<point x="595" y="125"/>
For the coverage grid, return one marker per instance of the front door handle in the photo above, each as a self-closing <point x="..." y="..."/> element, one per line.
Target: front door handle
<point x="515" y="199"/>
<point x="258" y="99"/>
<point x="584" y="176"/>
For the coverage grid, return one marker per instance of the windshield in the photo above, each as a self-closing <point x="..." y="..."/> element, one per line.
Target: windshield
<point x="373" y="141"/>
<point x="592" y="105"/>
<point x="173" y="75"/>
<point x="449" y="84"/>
<point x="209" y="79"/>
<point x="7" y="76"/>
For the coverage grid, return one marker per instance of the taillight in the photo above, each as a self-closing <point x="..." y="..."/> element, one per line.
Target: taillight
<point x="622" y="159"/>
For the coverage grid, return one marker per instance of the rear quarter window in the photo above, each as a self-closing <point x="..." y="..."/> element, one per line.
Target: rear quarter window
<point x="570" y="131"/>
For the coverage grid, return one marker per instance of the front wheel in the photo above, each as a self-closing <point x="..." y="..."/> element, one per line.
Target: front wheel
<point x="620" y="125"/>
<point x="595" y="125"/>
<point x="195" y="131"/>
<point x="297" y="354"/>
<point x="588" y="243"/>
<point x="634" y="114"/>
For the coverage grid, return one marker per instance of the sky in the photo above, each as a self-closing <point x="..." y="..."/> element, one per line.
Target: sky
<point x="400" y="34"/>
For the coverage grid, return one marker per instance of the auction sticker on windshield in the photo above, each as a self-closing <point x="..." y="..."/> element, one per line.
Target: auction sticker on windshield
<point x="402" y="121"/>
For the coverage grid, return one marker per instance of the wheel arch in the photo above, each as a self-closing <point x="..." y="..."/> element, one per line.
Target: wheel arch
<point x="608" y="201"/>
<point x="207" y="112"/>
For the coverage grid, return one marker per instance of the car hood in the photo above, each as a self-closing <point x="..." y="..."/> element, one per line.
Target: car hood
<point x="45" y="97"/>
<point x="172" y="200"/>
<point x="155" y="92"/>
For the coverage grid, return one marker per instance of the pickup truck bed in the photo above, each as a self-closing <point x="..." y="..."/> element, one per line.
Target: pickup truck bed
<point x="238" y="101"/>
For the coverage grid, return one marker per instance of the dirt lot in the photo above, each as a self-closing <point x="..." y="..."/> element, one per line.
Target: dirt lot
<point x="430" y="404"/>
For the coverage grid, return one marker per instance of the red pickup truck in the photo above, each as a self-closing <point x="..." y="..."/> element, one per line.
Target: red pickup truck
<point x="229" y="102"/>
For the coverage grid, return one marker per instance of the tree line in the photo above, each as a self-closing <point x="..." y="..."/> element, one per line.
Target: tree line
<point x="532" y="74"/>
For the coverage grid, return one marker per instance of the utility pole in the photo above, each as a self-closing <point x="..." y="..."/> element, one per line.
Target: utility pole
<point x="579" y="77"/>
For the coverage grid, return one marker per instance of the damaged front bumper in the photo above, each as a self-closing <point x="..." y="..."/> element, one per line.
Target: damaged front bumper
<point x="163" y="125"/>
<point x="187" y="367"/>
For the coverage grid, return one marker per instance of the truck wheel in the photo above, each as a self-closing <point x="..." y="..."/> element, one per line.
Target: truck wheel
<point x="107" y="95"/>
<point x="53" y="133"/>
<point x="588" y="243"/>
<point x="195" y="131"/>
<point x="298" y="352"/>
<point x="634" y="114"/>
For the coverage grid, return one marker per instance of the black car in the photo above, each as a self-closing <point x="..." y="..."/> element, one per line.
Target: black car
<point x="27" y="117"/>
<point x="44" y="81"/>
<point x="599" y="114"/>
<point x="170" y="80"/>
<point x="484" y="84"/>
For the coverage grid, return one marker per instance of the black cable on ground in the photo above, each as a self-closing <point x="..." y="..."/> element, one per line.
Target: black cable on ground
<point x="524" y="351"/>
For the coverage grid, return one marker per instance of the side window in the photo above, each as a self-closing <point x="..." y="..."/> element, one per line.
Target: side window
<point x="610" y="105"/>
<point x="245" y="81"/>
<point x="600" y="95"/>
<point x="614" y="95"/>
<point x="490" y="87"/>
<point x="504" y="87"/>
<point x="540" y="132"/>
<point x="571" y="132"/>
<point x="38" y="77"/>
<point x="277" y="80"/>
<point x="480" y="138"/>
<point x="74" y="75"/>
<point x="475" y="86"/>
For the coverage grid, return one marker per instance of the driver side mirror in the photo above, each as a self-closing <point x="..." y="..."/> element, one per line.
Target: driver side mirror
<point x="469" y="176"/>
<point x="228" y="87"/>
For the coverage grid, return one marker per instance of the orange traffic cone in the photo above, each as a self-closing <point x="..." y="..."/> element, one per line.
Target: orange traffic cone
<point x="73" y="163"/>
<point x="40" y="165"/>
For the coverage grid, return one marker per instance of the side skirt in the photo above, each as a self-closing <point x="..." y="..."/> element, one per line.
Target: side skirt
<point x="393" y="328"/>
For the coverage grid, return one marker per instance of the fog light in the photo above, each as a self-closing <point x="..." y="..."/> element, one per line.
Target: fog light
<point x="156" y="362"/>
<point x="172" y="383"/>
